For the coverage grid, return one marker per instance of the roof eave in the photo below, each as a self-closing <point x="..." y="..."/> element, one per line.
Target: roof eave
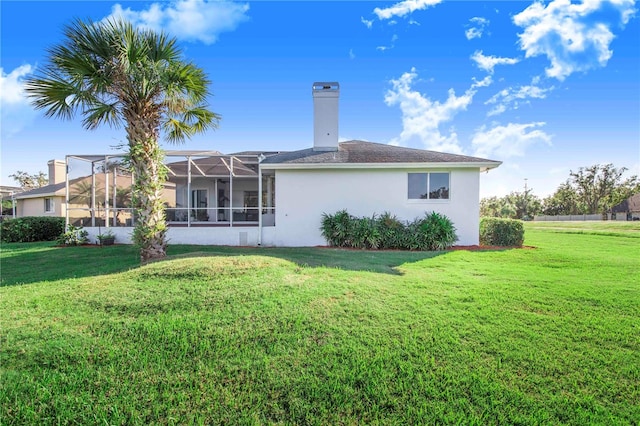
<point x="482" y="166"/>
<point x="59" y="193"/>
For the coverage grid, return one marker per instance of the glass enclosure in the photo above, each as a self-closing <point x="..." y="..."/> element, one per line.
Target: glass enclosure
<point x="202" y="189"/>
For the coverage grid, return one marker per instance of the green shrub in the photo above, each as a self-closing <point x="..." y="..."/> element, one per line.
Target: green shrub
<point x="431" y="232"/>
<point x="337" y="229"/>
<point x="436" y="232"/>
<point x="31" y="228"/>
<point x="74" y="236"/>
<point x="501" y="232"/>
<point x="391" y="231"/>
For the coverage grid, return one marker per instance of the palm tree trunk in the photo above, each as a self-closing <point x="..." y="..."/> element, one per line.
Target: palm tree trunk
<point x="146" y="159"/>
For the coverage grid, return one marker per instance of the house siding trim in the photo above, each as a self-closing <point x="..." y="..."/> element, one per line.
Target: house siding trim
<point x="419" y="166"/>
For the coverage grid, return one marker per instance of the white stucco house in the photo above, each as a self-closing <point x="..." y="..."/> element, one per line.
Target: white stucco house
<point x="278" y="198"/>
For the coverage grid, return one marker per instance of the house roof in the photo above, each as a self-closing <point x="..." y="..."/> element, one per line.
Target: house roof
<point x="56" y="189"/>
<point x="359" y="152"/>
<point x="631" y="204"/>
<point x="59" y="189"/>
<point x="7" y="191"/>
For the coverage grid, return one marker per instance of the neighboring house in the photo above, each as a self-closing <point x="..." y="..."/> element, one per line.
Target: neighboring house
<point x="278" y="198"/>
<point x="48" y="200"/>
<point x="629" y="209"/>
<point x="84" y="192"/>
<point x="8" y="193"/>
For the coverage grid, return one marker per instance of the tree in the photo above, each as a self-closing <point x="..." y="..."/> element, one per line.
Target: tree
<point x="7" y="208"/>
<point x="491" y="207"/>
<point x="562" y="202"/>
<point x="516" y="205"/>
<point x="28" y="182"/>
<point x="116" y="74"/>
<point x="600" y="187"/>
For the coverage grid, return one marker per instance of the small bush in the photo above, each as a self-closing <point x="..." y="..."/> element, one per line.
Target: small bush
<point x="74" y="236"/>
<point x="432" y="232"/>
<point x="436" y="231"/>
<point x="337" y="228"/>
<point x="501" y="232"/>
<point x="391" y="231"/>
<point x="31" y="228"/>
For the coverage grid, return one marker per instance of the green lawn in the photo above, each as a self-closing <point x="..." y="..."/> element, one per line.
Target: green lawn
<point x="213" y="335"/>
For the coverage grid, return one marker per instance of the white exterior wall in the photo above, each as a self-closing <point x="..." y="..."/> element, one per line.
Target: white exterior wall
<point x="219" y="236"/>
<point x="303" y="195"/>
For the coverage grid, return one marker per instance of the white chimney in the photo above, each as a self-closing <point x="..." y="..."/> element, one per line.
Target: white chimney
<point x="325" y="116"/>
<point x="57" y="171"/>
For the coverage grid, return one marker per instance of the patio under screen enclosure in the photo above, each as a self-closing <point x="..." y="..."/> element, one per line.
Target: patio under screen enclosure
<point x="202" y="189"/>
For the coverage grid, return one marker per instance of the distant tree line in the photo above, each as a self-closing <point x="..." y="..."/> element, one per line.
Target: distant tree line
<point x="30" y="181"/>
<point x="590" y="190"/>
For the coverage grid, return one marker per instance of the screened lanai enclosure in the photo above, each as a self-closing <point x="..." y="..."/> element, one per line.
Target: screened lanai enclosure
<point x="203" y="189"/>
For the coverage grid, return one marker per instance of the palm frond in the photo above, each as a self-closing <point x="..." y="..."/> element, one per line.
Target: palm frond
<point x="177" y="131"/>
<point x="101" y="113"/>
<point x="52" y="93"/>
<point x="201" y="119"/>
<point x="183" y="126"/>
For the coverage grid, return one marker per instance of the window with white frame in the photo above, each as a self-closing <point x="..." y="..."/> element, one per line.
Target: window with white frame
<point x="48" y="205"/>
<point x="428" y="186"/>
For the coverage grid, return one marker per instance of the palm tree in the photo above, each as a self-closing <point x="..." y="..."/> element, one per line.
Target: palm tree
<point x="116" y="74"/>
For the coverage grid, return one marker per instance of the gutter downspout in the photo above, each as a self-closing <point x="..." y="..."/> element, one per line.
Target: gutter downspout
<point x="189" y="192"/>
<point x="231" y="192"/>
<point x="259" y="202"/>
<point x="66" y="195"/>
<point x="93" y="194"/>
<point x="106" y="191"/>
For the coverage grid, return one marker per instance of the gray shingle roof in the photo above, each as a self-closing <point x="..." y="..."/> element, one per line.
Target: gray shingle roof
<point x="370" y="153"/>
<point x="631" y="204"/>
<point x="43" y="190"/>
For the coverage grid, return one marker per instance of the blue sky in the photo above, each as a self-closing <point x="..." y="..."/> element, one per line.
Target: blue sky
<point x="545" y="87"/>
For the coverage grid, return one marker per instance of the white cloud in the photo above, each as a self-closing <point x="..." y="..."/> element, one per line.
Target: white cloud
<point x="192" y="20"/>
<point x="497" y="110"/>
<point x="511" y="98"/>
<point x="487" y="63"/>
<point x="15" y="111"/>
<point x="574" y="37"/>
<point x="477" y="30"/>
<point x="11" y="85"/>
<point x="508" y="141"/>
<point x="423" y="117"/>
<point x="404" y="8"/>
<point x="391" y="46"/>
<point x="351" y="54"/>
<point x="485" y="82"/>
<point x="367" y="23"/>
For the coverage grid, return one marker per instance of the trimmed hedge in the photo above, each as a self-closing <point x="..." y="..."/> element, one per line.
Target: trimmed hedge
<point x="495" y="231"/>
<point x="31" y="228"/>
<point x="431" y="232"/>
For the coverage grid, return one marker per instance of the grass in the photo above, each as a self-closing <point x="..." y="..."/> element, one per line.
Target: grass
<point x="320" y="336"/>
<point x="612" y="227"/>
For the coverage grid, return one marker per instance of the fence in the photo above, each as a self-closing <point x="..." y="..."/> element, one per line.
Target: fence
<point x="578" y="217"/>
